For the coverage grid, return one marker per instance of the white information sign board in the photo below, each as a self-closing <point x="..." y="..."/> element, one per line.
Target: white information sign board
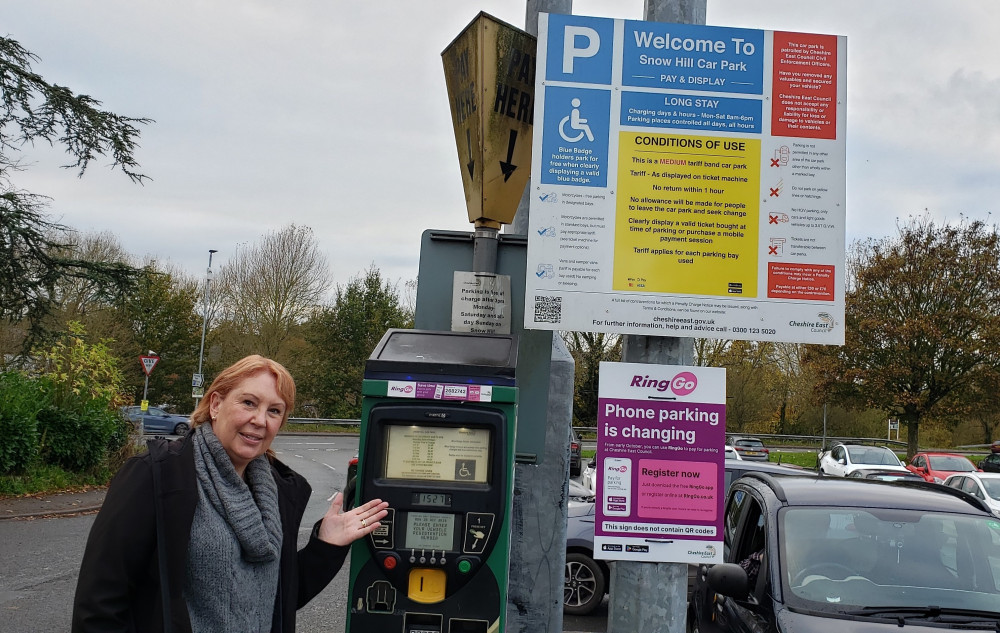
<point x="480" y="303"/>
<point x="687" y="180"/>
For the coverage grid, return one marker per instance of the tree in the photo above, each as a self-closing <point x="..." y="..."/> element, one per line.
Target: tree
<point x="341" y="338"/>
<point x="161" y="316"/>
<point x="33" y="110"/>
<point x="266" y="290"/>
<point x="750" y="376"/>
<point x="922" y="319"/>
<point x="589" y="350"/>
<point x="978" y="402"/>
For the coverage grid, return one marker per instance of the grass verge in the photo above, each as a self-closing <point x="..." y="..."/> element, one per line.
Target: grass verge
<point x="292" y="427"/>
<point x="806" y="459"/>
<point x="45" y="478"/>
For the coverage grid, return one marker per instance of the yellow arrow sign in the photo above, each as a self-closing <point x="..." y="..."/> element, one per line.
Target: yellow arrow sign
<point x="490" y="73"/>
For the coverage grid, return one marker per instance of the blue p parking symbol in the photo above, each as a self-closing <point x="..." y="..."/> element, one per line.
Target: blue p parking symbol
<point x="579" y="49"/>
<point x="571" y="35"/>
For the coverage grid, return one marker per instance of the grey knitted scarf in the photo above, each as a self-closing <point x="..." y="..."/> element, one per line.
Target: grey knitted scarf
<point x="233" y="555"/>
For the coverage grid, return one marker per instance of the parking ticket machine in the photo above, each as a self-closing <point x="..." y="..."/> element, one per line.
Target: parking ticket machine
<point x="437" y="442"/>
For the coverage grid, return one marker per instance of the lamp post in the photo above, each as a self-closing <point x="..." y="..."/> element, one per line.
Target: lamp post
<point x="199" y="377"/>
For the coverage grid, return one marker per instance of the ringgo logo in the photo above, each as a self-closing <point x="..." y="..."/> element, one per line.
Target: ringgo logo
<point x="682" y="384"/>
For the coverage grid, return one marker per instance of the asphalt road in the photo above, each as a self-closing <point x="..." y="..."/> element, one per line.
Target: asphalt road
<point x="40" y="558"/>
<point x="39" y="564"/>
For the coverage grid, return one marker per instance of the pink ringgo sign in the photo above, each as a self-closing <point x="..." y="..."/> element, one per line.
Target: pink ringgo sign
<point x="660" y="463"/>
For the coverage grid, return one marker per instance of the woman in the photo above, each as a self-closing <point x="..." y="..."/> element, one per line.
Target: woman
<point x="201" y="534"/>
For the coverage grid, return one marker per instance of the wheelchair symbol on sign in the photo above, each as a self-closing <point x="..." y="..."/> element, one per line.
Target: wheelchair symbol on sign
<point x="576" y="122"/>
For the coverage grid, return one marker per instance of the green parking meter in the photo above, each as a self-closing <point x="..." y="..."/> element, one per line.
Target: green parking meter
<point x="438" y="428"/>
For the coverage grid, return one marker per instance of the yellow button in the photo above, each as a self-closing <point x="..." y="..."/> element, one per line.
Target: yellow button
<point x="427" y="585"/>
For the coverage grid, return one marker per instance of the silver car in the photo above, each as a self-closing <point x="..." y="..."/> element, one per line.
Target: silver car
<point x="157" y="421"/>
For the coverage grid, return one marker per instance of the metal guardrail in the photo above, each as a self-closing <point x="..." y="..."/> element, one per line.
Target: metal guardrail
<point x="326" y="421"/>
<point x="818" y="439"/>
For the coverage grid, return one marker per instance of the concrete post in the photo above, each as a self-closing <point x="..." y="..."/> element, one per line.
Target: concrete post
<point x="652" y="597"/>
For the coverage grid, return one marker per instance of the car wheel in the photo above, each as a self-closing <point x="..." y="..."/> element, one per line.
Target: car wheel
<point x="584" y="588"/>
<point x="181" y="429"/>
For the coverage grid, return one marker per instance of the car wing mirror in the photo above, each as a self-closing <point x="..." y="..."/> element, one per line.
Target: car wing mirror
<point x="728" y="579"/>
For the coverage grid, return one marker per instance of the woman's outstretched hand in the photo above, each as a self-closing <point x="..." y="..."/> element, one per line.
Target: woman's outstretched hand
<point x="343" y="528"/>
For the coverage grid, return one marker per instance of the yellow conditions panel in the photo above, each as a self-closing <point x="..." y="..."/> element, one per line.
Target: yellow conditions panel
<point x="687" y="214"/>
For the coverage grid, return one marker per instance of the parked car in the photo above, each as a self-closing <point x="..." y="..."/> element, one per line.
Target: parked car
<point x="990" y="464"/>
<point x="156" y="420"/>
<point x="586" y="577"/>
<point x="985" y="486"/>
<point x="995" y="447"/>
<point x="881" y="474"/>
<point x="749" y="448"/>
<point x="842" y="459"/>
<point x="936" y="467"/>
<point x="839" y="554"/>
<point x="351" y="484"/>
<point x="732" y="453"/>
<point x="575" y="453"/>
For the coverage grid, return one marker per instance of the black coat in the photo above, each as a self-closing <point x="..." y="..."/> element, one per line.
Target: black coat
<point x="120" y="578"/>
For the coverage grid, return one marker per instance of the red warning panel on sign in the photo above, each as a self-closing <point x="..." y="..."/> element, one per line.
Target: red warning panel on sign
<point x="800" y="281"/>
<point x="804" y="93"/>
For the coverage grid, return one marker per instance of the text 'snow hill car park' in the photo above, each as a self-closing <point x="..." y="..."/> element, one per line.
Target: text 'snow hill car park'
<point x="811" y="555"/>
<point x="842" y="459"/>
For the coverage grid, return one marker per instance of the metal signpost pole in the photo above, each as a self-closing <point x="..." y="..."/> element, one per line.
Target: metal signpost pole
<point x="204" y="315"/>
<point x="148" y="362"/>
<point x="653" y="596"/>
<point x="537" y="551"/>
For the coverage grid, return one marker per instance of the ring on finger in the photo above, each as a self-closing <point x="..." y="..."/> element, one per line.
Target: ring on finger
<point x="364" y="523"/>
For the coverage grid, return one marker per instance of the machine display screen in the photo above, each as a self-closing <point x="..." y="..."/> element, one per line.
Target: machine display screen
<point x="438" y="453"/>
<point x="430" y="530"/>
<point x="440" y="499"/>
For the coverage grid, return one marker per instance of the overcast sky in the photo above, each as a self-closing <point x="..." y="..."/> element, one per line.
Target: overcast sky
<point x="335" y="115"/>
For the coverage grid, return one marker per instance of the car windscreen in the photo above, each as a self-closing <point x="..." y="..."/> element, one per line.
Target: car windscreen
<point x="749" y="443"/>
<point x="950" y="463"/>
<point x="872" y="455"/>
<point x="992" y="487"/>
<point x="843" y="559"/>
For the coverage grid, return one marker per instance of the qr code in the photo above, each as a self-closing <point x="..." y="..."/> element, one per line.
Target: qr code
<point x="548" y="309"/>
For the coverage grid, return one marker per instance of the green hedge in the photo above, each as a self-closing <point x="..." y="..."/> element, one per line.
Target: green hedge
<point x="35" y="432"/>
<point x="80" y="441"/>
<point x="21" y="398"/>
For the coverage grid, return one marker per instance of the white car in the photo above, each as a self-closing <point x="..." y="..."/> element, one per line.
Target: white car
<point x="986" y="486"/>
<point x="732" y="453"/>
<point x="843" y="459"/>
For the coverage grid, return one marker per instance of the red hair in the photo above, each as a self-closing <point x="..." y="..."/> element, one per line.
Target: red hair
<point x="233" y="375"/>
